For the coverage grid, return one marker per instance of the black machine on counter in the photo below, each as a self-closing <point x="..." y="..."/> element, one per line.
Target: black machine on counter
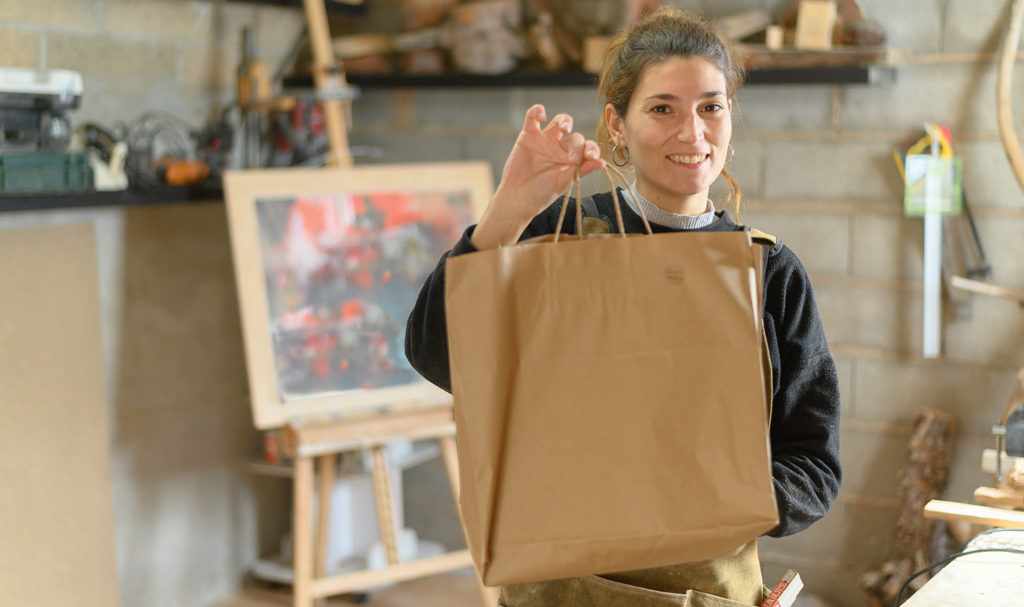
<point x="35" y="133"/>
<point x="34" y="106"/>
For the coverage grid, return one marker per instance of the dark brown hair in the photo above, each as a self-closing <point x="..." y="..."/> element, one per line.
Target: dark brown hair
<point x="661" y="35"/>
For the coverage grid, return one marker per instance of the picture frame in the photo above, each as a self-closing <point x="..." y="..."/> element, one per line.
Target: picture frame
<point x="328" y="264"/>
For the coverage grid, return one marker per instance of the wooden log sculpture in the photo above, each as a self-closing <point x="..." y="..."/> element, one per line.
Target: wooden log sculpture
<point x="923" y="477"/>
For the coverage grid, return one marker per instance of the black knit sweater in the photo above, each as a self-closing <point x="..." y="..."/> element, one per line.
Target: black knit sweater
<point x="804" y="428"/>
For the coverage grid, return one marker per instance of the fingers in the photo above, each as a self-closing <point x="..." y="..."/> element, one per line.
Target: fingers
<point x="589" y="166"/>
<point x="574" y="150"/>
<point x="559" y="126"/>
<point x="573" y="145"/>
<point x="592" y="160"/>
<point x="535" y="116"/>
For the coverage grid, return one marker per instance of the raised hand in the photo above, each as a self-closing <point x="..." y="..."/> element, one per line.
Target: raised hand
<point x="539" y="168"/>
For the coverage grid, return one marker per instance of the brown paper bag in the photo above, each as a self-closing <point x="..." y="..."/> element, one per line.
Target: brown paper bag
<point x="610" y="403"/>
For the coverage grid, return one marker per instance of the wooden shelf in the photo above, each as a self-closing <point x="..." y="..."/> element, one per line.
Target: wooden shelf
<point x="839" y="74"/>
<point x="847" y="74"/>
<point x="39" y="202"/>
<point x="525" y="78"/>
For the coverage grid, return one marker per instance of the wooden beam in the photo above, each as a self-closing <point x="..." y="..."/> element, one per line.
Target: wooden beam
<point x="755" y="56"/>
<point x="971" y="513"/>
<point x="371" y="578"/>
<point x="365" y="432"/>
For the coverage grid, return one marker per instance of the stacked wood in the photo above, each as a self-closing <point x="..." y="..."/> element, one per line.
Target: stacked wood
<point x="598" y="17"/>
<point x="424" y="16"/>
<point x="852" y="26"/>
<point x="542" y="37"/>
<point x="922" y="479"/>
<point x="418" y="14"/>
<point x="484" y="37"/>
<point x="742" y="24"/>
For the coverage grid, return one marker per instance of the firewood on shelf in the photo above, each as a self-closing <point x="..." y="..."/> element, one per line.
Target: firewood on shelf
<point x="542" y="37"/>
<point x="483" y="37"/>
<point x="418" y="14"/>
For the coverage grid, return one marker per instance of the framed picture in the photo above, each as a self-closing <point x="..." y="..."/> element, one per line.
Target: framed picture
<point x="328" y="264"/>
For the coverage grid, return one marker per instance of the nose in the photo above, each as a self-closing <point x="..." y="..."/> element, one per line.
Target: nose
<point x="690" y="129"/>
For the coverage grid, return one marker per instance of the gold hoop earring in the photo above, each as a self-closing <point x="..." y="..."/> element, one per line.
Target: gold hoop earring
<point x="621" y="152"/>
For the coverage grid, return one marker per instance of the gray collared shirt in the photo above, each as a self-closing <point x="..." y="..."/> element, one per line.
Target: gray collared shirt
<point x="657" y="215"/>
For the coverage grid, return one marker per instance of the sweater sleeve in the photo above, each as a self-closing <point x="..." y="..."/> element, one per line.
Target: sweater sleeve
<point x="426" y="331"/>
<point x="804" y="432"/>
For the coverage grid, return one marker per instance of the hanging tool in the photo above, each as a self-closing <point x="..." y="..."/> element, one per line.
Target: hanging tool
<point x="253" y="88"/>
<point x="962" y="250"/>
<point x="931" y="190"/>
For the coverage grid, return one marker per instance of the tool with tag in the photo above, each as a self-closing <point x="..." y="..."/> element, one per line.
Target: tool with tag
<point x="1007" y="460"/>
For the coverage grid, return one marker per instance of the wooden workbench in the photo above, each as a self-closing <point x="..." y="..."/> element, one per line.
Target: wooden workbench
<point x="989" y="579"/>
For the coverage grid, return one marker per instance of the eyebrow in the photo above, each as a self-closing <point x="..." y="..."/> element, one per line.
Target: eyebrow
<point x="671" y="97"/>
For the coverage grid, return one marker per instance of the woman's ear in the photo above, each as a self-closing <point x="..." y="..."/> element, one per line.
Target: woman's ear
<point x="614" y="123"/>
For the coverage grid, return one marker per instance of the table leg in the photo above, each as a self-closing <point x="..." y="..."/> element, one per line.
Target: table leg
<point x="384" y="500"/>
<point x="302" y="530"/>
<point x="326" y="473"/>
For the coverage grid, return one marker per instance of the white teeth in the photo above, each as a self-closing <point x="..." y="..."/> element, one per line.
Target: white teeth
<point x="687" y="159"/>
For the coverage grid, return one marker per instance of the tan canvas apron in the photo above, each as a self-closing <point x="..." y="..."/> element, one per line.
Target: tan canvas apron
<point x="697" y="584"/>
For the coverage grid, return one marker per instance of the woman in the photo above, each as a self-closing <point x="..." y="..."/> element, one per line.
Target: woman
<point x="669" y="84"/>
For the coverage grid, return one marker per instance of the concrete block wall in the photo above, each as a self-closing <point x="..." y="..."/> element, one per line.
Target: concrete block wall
<point x="178" y="56"/>
<point x="190" y="517"/>
<point x="816" y="169"/>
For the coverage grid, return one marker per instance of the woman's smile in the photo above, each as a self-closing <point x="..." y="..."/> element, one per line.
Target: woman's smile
<point x="689" y="160"/>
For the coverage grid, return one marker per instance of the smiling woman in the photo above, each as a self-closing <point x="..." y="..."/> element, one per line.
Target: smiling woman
<point x="676" y="130"/>
<point x="668" y="85"/>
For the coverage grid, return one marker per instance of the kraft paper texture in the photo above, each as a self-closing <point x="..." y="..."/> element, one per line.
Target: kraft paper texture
<point x="610" y="403"/>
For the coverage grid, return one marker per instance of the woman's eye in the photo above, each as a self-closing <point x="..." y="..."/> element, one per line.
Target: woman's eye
<point x="660" y="109"/>
<point x="713" y="107"/>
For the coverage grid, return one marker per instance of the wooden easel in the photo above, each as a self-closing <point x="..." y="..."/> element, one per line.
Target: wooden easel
<point x="329" y="80"/>
<point x="324" y="441"/>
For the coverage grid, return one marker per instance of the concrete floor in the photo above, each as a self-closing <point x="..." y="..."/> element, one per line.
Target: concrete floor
<point x="453" y="589"/>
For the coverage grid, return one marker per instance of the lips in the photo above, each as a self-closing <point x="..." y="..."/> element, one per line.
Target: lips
<point x="691" y="159"/>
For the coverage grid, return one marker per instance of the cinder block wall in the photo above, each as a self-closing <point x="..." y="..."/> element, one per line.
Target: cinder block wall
<point x="816" y="169"/>
<point x="190" y="517"/>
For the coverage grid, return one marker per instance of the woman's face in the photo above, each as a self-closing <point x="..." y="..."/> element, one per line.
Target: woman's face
<point x="677" y="129"/>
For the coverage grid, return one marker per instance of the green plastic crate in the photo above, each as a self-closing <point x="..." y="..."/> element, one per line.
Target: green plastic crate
<point x="44" y="173"/>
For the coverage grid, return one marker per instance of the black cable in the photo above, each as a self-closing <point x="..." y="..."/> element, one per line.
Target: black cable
<point x="153" y="130"/>
<point x="916" y="574"/>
